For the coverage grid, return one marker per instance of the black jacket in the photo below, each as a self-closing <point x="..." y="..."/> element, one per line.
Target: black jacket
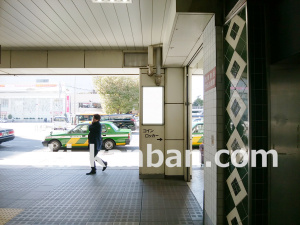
<point x="95" y="135"/>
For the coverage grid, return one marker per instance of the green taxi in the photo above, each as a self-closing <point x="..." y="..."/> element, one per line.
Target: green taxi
<point x="78" y="137"/>
<point x="197" y="133"/>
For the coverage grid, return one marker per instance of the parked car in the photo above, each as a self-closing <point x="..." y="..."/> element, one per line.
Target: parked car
<point x="124" y="124"/>
<point x="198" y="120"/>
<point x="10" y="120"/>
<point x="137" y="119"/>
<point x="2" y="120"/>
<point x="78" y="137"/>
<point x="59" y="123"/>
<point x="122" y="121"/>
<point x="197" y="113"/>
<point x="6" y="135"/>
<point x="197" y="133"/>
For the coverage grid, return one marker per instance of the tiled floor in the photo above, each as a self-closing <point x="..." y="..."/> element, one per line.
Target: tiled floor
<point x="197" y="184"/>
<point x="114" y="197"/>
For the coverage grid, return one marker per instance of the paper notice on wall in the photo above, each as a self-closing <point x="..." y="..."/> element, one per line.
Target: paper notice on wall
<point x="210" y="80"/>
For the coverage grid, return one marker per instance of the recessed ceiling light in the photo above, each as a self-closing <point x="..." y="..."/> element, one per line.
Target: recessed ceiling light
<point x="112" y="1"/>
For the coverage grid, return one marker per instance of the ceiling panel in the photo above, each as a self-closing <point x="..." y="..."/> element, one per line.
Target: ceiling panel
<point x="45" y="24"/>
<point x="89" y="36"/>
<point x="147" y="22"/>
<point x="11" y="39"/>
<point x="102" y="22"/>
<point x="124" y="22"/>
<point x="29" y="20"/>
<point x="91" y="28"/>
<point x="196" y="53"/>
<point x="59" y="26"/>
<point x="184" y="32"/>
<point x="135" y="21"/>
<point x="165" y="19"/>
<point x="67" y="20"/>
<point x="84" y="25"/>
<point x="15" y="27"/>
<point x="174" y="61"/>
<point x="114" y="24"/>
<point x="179" y="49"/>
<point x="159" y="9"/>
<point x="80" y="24"/>
<point x="184" y="40"/>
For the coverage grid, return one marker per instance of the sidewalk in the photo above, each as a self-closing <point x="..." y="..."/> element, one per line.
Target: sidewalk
<point x="68" y="196"/>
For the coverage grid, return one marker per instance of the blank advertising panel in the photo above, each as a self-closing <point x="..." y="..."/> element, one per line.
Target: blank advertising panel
<point x="153" y="105"/>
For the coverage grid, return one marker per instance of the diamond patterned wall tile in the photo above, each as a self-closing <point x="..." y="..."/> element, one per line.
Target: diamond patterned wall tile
<point x="236" y="108"/>
<point x="233" y="218"/>
<point x="236" y="187"/>
<point x="236" y="120"/>
<point x="236" y="68"/>
<point x="235" y="29"/>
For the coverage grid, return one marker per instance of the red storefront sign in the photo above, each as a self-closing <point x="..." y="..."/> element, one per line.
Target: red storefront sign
<point x="210" y="80"/>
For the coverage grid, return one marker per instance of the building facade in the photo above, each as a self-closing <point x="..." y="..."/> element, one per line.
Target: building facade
<point x="33" y="102"/>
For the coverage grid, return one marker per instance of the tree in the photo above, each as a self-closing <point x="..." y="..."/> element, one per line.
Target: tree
<point x="198" y="102"/>
<point x="119" y="94"/>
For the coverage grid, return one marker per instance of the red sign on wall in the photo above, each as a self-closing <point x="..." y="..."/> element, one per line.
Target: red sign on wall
<point x="210" y="80"/>
<point x="68" y="104"/>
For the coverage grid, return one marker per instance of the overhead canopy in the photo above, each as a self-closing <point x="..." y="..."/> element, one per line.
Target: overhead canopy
<point x="76" y="25"/>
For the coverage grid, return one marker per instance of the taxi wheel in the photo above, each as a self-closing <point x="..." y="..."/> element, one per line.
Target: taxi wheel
<point x="109" y="144"/>
<point x="56" y="145"/>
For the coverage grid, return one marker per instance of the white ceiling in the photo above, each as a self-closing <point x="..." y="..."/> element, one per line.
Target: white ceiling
<point x="84" y="25"/>
<point x="80" y="24"/>
<point x="186" y="38"/>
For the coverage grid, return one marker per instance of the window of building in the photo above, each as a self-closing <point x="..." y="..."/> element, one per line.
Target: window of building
<point x="4" y="103"/>
<point x="89" y="105"/>
<point x="42" y="80"/>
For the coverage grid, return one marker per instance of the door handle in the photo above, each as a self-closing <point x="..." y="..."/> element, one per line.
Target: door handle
<point x="103" y="134"/>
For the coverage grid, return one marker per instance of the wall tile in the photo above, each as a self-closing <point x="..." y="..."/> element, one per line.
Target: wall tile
<point x="237" y="104"/>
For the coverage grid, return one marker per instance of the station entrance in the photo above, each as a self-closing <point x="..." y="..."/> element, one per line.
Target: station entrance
<point x="122" y="194"/>
<point x="31" y="104"/>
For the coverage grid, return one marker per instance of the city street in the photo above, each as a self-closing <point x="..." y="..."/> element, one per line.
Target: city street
<point x="27" y="150"/>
